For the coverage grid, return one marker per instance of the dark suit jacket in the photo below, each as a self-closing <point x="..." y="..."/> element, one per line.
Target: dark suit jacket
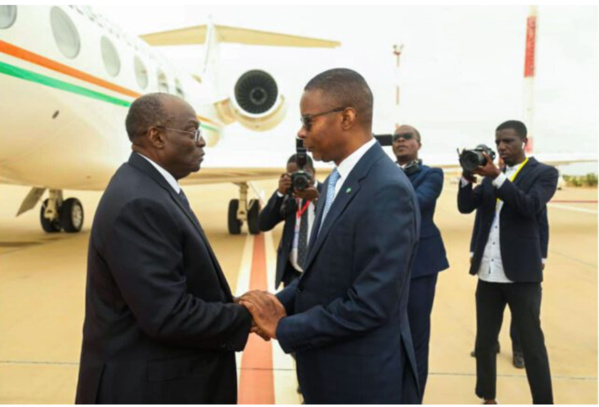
<point x="160" y="325"/>
<point x="430" y="256"/>
<point x="348" y="320"/>
<point x="522" y="221"/>
<point x="270" y="217"/>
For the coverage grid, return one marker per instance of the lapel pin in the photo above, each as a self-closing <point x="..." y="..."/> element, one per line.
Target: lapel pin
<point x="348" y="190"/>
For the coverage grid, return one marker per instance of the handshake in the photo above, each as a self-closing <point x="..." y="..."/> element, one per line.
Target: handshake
<point x="266" y="310"/>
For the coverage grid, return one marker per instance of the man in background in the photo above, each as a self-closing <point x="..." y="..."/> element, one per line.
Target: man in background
<point x="508" y="257"/>
<point x="430" y="256"/>
<point x="297" y="208"/>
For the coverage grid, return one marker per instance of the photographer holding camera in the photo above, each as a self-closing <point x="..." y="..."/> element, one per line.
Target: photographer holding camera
<point x="430" y="256"/>
<point x="294" y="202"/>
<point x="508" y="250"/>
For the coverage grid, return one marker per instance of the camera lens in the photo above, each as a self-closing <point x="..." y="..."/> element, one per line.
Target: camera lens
<point x="469" y="160"/>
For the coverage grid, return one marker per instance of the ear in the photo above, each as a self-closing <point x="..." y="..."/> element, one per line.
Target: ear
<point x="524" y="141"/>
<point x="156" y="137"/>
<point x="348" y="118"/>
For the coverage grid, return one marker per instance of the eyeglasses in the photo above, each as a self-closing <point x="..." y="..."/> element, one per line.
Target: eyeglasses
<point x="307" y="118"/>
<point x="196" y="134"/>
<point x="405" y="136"/>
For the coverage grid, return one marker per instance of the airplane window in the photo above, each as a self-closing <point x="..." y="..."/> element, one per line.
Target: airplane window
<point x="179" y="88"/>
<point x="141" y="73"/>
<point x="8" y="15"/>
<point x="162" y="82"/>
<point x="65" y="33"/>
<point x="110" y="57"/>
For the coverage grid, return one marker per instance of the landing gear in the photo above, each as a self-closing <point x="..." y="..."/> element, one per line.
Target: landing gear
<point x="49" y="225"/>
<point x="241" y="211"/>
<point x="71" y="215"/>
<point x="57" y="215"/>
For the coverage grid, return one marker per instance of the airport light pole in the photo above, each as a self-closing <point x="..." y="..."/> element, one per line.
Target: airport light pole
<point x="397" y="48"/>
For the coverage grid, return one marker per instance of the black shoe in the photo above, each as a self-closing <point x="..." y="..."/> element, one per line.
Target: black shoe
<point x="473" y="353"/>
<point x="518" y="360"/>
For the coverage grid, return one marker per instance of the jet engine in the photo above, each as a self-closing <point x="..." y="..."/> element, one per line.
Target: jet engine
<point x="256" y="103"/>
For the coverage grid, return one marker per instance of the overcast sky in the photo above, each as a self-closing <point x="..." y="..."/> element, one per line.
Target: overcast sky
<point x="461" y="67"/>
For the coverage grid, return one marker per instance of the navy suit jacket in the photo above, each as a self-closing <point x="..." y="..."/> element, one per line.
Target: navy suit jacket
<point x="270" y="217"/>
<point x="523" y="228"/>
<point x="347" y="314"/>
<point x="160" y="323"/>
<point x="430" y="256"/>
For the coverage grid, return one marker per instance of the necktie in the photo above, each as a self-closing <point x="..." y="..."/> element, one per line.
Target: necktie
<point x="333" y="178"/>
<point x="184" y="199"/>
<point x="302" y="244"/>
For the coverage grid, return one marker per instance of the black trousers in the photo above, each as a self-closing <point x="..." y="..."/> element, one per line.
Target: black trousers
<point x="524" y="300"/>
<point x="420" y="307"/>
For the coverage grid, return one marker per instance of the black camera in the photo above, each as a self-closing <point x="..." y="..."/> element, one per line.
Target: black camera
<point x="471" y="159"/>
<point x="300" y="179"/>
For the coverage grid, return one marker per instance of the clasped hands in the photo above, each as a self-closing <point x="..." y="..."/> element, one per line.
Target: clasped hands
<point x="266" y="310"/>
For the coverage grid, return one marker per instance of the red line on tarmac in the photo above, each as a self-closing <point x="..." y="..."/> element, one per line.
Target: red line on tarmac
<point x="256" y="384"/>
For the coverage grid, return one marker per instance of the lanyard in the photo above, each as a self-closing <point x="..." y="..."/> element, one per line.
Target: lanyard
<point x="513" y="177"/>
<point x="300" y="212"/>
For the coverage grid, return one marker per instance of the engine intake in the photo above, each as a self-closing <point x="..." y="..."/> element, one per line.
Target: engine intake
<point x="256" y="92"/>
<point x="256" y="103"/>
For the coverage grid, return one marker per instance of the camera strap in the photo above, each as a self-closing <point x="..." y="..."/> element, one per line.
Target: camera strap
<point x="300" y="212"/>
<point x="512" y="178"/>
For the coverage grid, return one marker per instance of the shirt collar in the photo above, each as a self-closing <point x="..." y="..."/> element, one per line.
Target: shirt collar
<point x="345" y="167"/>
<point x="167" y="175"/>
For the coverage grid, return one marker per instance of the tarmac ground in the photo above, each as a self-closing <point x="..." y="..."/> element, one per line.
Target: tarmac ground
<point x="42" y="290"/>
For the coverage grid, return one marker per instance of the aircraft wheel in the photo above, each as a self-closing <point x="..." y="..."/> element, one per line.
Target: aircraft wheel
<point x="49" y="226"/>
<point x="71" y="215"/>
<point x="253" y="214"/>
<point x="234" y="223"/>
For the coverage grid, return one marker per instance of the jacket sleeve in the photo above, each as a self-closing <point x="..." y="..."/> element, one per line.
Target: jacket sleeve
<point x="287" y="296"/>
<point x="145" y="255"/>
<point x="468" y="198"/>
<point x="270" y="216"/>
<point x="531" y="202"/>
<point x="430" y="189"/>
<point x="384" y="246"/>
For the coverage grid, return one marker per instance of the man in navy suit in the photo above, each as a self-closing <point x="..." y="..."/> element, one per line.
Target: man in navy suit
<point x="160" y="322"/>
<point x="508" y="257"/>
<point x="346" y="316"/>
<point x="298" y="209"/>
<point x="430" y="256"/>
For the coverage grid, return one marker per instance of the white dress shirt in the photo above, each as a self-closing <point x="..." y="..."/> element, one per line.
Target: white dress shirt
<point x="167" y="175"/>
<point x="491" y="266"/>
<point x="345" y="167"/>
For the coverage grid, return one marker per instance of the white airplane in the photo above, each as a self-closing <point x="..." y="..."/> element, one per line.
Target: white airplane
<point x="66" y="87"/>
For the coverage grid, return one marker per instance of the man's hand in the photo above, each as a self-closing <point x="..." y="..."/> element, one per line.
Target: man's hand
<point x="469" y="176"/>
<point x="284" y="183"/>
<point x="310" y="194"/>
<point x="489" y="169"/>
<point x="266" y="310"/>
